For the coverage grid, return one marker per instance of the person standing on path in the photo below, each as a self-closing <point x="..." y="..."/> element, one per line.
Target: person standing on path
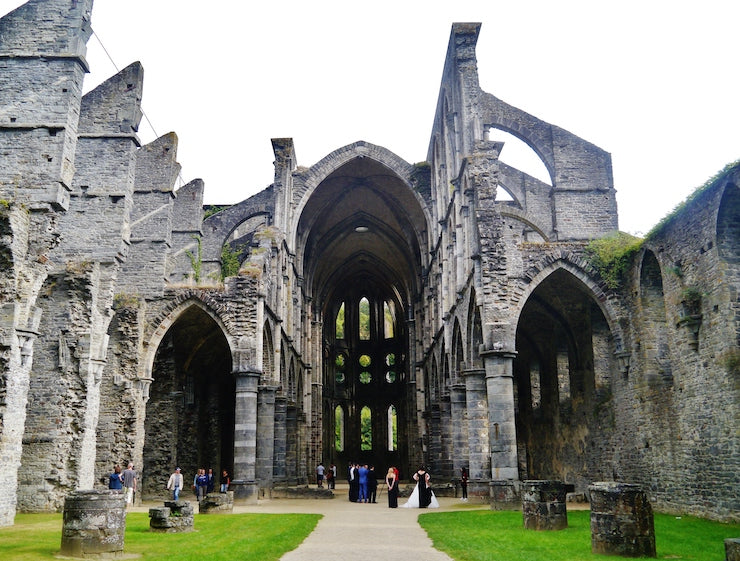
<point x="211" y="481"/>
<point x="392" y="483"/>
<point x="464" y="484"/>
<point x="201" y="484"/>
<point x="333" y="470"/>
<point x="422" y="496"/>
<point x="175" y="483"/>
<point x="225" y="481"/>
<point x="354" y="486"/>
<point x="129" y="482"/>
<point x="320" y="475"/>
<point x="372" y="485"/>
<point x="362" y="479"/>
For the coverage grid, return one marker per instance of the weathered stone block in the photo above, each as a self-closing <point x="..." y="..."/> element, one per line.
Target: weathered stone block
<point x="94" y="524"/>
<point x="732" y="549"/>
<point x="173" y="517"/>
<point x="217" y="503"/>
<point x="621" y="520"/>
<point x="543" y="505"/>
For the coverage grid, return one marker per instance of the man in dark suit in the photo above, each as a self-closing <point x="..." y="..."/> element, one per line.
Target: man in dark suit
<point x="372" y="484"/>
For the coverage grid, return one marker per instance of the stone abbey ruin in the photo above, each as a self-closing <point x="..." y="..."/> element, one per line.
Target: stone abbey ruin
<point x="363" y="308"/>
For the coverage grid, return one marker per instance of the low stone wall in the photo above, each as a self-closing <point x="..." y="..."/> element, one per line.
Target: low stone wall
<point x="217" y="503"/>
<point x="173" y="517"/>
<point x="301" y="493"/>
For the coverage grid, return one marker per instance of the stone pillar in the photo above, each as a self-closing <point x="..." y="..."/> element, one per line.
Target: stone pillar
<point x="245" y="437"/>
<point x="478" y="445"/>
<point x="434" y="439"/>
<point x="445" y="433"/>
<point x="621" y="520"/>
<point x="502" y="429"/>
<point x="501" y="416"/>
<point x="94" y="524"/>
<point x="459" y="428"/>
<point x="265" y="435"/>
<point x="281" y="434"/>
<point x="543" y="505"/>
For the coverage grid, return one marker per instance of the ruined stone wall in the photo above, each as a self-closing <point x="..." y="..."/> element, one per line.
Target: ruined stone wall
<point x="145" y="269"/>
<point x="677" y="428"/>
<point x="42" y="66"/>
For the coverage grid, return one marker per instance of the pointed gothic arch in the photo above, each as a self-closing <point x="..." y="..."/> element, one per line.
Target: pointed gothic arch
<point x="190" y="414"/>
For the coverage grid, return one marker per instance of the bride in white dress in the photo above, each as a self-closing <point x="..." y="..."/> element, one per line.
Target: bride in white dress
<point x="424" y="497"/>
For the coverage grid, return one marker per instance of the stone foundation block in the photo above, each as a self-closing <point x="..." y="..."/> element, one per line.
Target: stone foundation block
<point x="732" y="549"/>
<point x="217" y="503"/>
<point x="621" y="520"/>
<point x="543" y="505"/>
<point x="94" y="524"/>
<point x="173" y="517"/>
<point x="503" y="495"/>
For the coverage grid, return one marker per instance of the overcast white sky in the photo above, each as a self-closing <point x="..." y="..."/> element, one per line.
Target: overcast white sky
<point x="653" y="82"/>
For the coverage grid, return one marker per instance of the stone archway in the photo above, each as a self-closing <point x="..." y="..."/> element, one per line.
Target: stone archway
<point x="559" y="383"/>
<point x="190" y="414"/>
<point x="360" y="243"/>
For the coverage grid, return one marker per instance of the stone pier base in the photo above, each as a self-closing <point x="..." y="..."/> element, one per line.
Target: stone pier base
<point x="94" y="524"/>
<point x="621" y="520"/>
<point x="732" y="549"/>
<point x="504" y="495"/>
<point x="217" y="503"/>
<point x="543" y="505"/>
<point x="174" y="517"/>
<point x="245" y="492"/>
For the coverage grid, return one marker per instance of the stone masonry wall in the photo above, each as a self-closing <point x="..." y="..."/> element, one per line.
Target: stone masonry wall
<point x="42" y="64"/>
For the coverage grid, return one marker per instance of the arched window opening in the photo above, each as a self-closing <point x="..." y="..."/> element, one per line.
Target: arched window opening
<point x="339" y="332"/>
<point x="392" y="429"/>
<point x="339" y="429"/>
<point x="365" y="376"/>
<point x="341" y="362"/>
<point x="366" y="429"/>
<point x="388" y="317"/>
<point x="364" y="316"/>
<point x="518" y="154"/>
<point x="390" y="365"/>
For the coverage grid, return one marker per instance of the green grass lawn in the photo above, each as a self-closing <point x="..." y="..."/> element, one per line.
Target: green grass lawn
<point x="263" y="537"/>
<point x="484" y="535"/>
<point x="467" y="535"/>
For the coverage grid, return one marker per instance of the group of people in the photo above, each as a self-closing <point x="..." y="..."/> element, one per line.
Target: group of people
<point x="363" y="484"/>
<point x="203" y="482"/>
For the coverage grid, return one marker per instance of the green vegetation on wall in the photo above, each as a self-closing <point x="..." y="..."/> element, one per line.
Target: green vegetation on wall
<point x="612" y="255"/>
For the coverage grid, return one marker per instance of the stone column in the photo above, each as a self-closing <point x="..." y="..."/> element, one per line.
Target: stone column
<point x="501" y="416"/>
<point x="459" y="428"/>
<point x="265" y="435"/>
<point x="245" y="436"/>
<point x="502" y="428"/>
<point x="478" y="444"/>
<point x="281" y="434"/>
<point x="445" y="433"/>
